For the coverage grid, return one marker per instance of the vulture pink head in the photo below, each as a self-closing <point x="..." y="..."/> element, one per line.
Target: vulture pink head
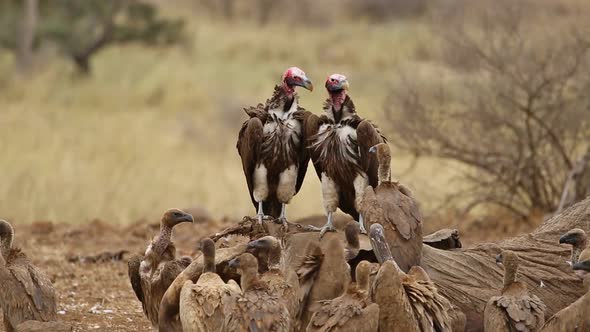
<point x="295" y="77"/>
<point x="337" y="85"/>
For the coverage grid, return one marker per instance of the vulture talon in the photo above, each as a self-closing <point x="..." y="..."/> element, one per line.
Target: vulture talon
<point x="282" y="221"/>
<point x="326" y="228"/>
<point x="362" y="228"/>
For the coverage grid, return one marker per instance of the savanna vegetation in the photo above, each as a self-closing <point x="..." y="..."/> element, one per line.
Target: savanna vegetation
<point x="484" y="102"/>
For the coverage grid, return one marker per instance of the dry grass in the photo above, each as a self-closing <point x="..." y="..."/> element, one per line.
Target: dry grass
<point x="156" y="128"/>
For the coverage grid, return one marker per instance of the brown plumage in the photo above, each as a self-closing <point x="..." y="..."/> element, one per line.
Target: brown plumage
<point x="26" y="292"/>
<point x="170" y="303"/>
<point x="577" y="239"/>
<point x="281" y="278"/>
<point x="352" y="311"/>
<point x="515" y="309"/>
<point x="256" y="309"/>
<point x="407" y="302"/>
<point x="391" y="205"/>
<point x="444" y="239"/>
<point x="152" y="273"/>
<point x="272" y="147"/>
<point x="339" y="143"/>
<point x="323" y="275"/>
<point x="202" y="304"/>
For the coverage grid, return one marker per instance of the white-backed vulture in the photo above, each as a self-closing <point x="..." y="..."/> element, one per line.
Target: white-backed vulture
<point x="444" y="239"/>
<point x="26" y="292"/>
<point x="339" y="147"/>
<point x="272" y="147"/>
<point x="515" y="309"/>
<point x="392" y="205"/>
<point x="152" y="273"/>
<point x="408" y="302"/>
<point x="577" y="239"/>
<point x="281" y="278"/>
<point x="352" y="311"/>
<point x="170" y="303"/>
<point x="323" y="275"/>
<point x="576" y="316"/>
<point x="256" y="309"/>
<point x="202" y="304"/>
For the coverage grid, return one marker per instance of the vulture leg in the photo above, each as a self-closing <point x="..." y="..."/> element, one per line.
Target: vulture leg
<point x="328" y="227"/>
<point x="283" y="217"/>
<point x="362" y="224"/>
<point x="260" y="214"/>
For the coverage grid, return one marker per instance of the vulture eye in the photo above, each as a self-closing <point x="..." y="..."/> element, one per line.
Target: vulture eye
<point x="177" y="214"/>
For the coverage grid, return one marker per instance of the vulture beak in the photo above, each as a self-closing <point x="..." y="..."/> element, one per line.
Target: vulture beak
<point x="305" y="83"/>
<point x="337" y="86"/>
<point x="187" y="218"/>
<point x="568" y="239"/>
<point x="234" y="263"/>
<point x="257" y="244"/>
<point x="499" y="259"/>
<point x="585" y="266"/>
<point x="373" y="149"/>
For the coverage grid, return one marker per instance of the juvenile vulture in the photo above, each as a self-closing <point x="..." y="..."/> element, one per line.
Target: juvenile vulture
<point x="352" y="311"/>
<point x="256" y="309"/>
<point x="408" y="302"/>
<point x="323" y="275"/>
<point x="515" y="309"/>
<point x="26" y="292"/>
<point x="577" y="238"/>
<point x="576" y="316"/>
<point x="281" y="279"/>
<point x="339" y="146"/>
<point x="202" y="304"/>
<point x="152" y="273"/>
<point x="272" y="147"/>
<point x="444" y="239"/>
<point x="392" y="205"/>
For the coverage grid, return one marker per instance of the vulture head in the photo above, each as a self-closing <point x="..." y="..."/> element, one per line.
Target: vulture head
<point x="174" y="217"/>
<point x="337" y="85"/>
<point x="271" y="246"/>
<point x="576" y="237"/>
<point x="294" y="77"/>
<point x="6" y="235"/>
<point x="207" y="247"/>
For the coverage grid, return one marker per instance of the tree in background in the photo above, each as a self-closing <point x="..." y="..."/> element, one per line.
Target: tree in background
<point x="518" y="124"/>
<point x="81" y="29"/>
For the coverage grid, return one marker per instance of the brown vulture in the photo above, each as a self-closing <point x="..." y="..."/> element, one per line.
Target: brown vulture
<point x="272" y="147"/>
<point x="515" y="309"/>
<point x="339" y="146"/>
<point x="26" y="293"/>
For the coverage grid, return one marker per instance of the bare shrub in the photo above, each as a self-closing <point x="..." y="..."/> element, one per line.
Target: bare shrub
<point x="518" y="121"/>
<point x="383" y="10"/>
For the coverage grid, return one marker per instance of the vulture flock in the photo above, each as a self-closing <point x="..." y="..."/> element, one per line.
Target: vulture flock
<point x="279" y="276"/>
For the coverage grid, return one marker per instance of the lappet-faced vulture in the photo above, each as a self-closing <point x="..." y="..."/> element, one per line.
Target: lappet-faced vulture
<point x="339" y="146"/>
<point x="26" y="292"/>
<point x="152" y="273"/>
<point x="272" y="147"/>
<point x="515" y="309"/>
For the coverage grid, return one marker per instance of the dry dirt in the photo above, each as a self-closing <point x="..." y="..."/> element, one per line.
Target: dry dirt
<point x="98" y="296"/>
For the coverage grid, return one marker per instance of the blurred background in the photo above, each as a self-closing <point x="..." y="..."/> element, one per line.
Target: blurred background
<point x="119" y="109"/>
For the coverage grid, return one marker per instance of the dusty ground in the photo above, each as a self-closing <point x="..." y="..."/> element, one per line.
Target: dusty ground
<point x="98" y="296"/>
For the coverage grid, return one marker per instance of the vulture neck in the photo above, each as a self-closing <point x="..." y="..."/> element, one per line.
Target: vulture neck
<point x="362" y="281"/>
<point x="384" y="172"/>
<point x="249" y="278"/>
<point x="6" y="235"/>
<point x="274" y="258"/>
<point x="510" y="274"/>
<point x="338" y="99"/>
<point x="287" y="94"/>
<point x="209" y="261"/>
<point x="577" y="250"/>
<point x="163" y="239"/>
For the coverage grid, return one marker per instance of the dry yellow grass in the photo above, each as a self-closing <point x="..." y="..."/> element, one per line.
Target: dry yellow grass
<point x="156" y="128"/>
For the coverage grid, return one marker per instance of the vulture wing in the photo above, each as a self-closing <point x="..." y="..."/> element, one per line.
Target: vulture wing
<point x="133" y="272"/>
<point x="368" y="135"/>
<point x="37" y="287"/>
<point x="399" y="209"/>
<point x="249" y="142"/>
<point x="304" y="155"/>
<point x="523" y="312"/>
<point x="312" y="126"/>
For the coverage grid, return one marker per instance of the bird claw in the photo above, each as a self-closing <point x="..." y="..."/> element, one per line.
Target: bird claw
<point x="362" y="229"/>
<point x="283" y="221"/>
